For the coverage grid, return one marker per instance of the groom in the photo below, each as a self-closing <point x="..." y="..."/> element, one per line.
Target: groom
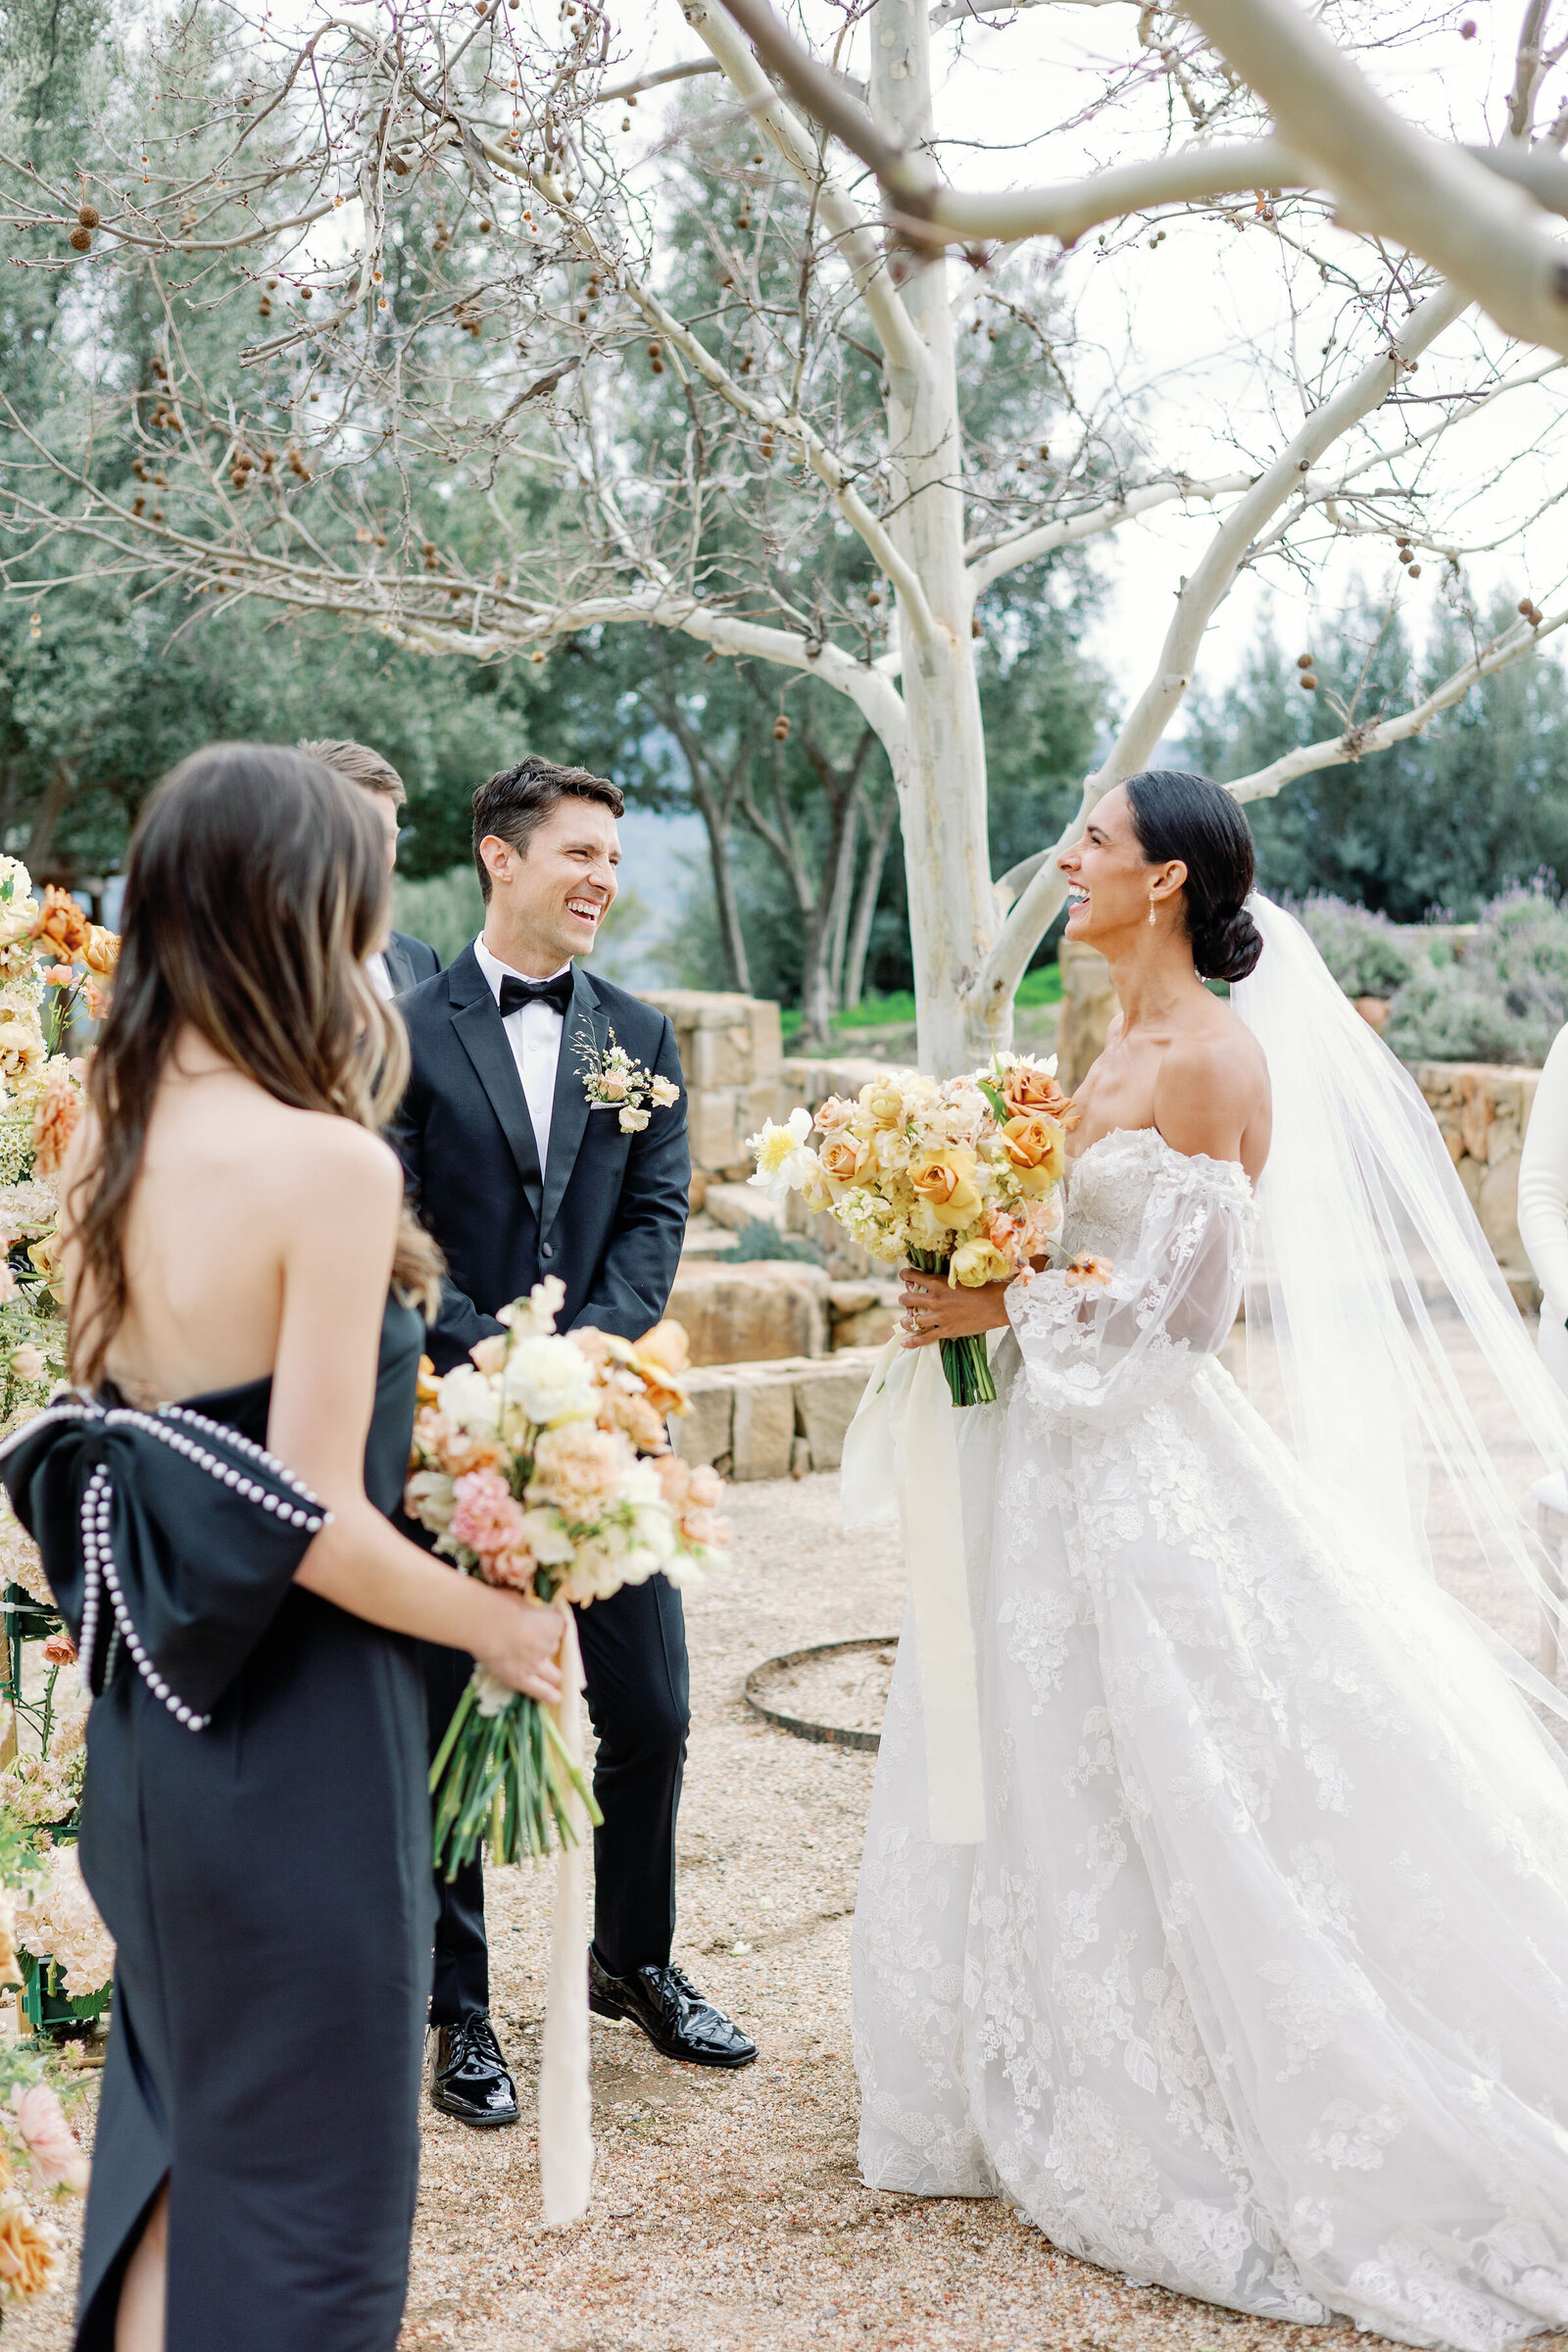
<point x="517" y="1178"/>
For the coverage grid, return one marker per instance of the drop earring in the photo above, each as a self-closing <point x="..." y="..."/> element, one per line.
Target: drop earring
<point x="1151" y="910"/>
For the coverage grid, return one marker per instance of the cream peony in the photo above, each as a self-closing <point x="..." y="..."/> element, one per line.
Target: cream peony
<point x="550" y="1378"/>
<point x="466" y="1400"/>
<point x="59" y="1922"/>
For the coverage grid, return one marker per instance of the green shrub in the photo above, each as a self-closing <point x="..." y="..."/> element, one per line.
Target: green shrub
<point x="1364" y="951"/>
<point x="759" y="1240"/>
<point x="1508" y="998"/>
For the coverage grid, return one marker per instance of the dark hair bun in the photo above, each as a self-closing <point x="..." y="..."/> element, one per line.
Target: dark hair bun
<point x="1177" y="814"/>
<point x="1228" y="947"/>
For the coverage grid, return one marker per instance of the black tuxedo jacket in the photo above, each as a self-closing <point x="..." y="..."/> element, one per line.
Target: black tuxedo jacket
<point x="608" y="1213"/>
<point x="409" y="961"/>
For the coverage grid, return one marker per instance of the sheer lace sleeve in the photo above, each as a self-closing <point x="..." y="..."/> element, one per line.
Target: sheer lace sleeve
<point x="1103" y="1351"/>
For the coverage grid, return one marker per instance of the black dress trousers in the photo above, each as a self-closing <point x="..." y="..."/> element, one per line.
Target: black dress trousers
<point x="639" y="1698"/>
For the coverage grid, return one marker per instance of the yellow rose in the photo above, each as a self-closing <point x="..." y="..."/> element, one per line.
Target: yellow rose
<point x="974" y="1263"/>
<point x="844" y="1155"/>
<point x="1036" y="1151"/>
<point x="945" y="1182"/>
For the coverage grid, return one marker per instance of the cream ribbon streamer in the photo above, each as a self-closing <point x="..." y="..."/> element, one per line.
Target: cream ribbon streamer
<point x="565" y="2104"/>
<point x="900" y="1455"/>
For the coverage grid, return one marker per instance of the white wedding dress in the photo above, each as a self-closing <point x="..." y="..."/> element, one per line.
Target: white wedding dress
<point x="1257" y="1988"/>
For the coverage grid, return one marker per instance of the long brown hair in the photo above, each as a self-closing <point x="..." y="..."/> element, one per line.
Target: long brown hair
<point x="255" y="887"/>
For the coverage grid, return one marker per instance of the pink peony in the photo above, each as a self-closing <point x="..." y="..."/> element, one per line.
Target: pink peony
<point x="50" y="2141"/>
<point x="485" y="1515"/>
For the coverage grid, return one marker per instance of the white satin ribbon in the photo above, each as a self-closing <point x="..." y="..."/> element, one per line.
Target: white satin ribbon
<point x="901" y="1456"/>
<point x="566" y="2103"/>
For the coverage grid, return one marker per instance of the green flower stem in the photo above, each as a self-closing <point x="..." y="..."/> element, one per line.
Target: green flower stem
<point x="967" y="1361"/>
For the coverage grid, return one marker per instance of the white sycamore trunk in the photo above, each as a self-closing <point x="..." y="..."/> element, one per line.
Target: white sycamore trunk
<point x="941" y="773"/>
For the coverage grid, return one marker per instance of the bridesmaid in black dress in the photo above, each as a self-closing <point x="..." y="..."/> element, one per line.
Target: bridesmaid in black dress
<point x="256" y="1830"/>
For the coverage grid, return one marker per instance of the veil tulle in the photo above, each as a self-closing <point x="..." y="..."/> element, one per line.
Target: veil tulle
<point x="1379" y="1327"/>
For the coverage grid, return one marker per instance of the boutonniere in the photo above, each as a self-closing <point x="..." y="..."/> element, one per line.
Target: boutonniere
<point x="613" y="1081"/>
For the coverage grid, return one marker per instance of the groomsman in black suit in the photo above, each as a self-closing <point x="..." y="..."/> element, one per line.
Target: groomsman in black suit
<point x="518" y="1178"/>
<point x="405" y="960"/>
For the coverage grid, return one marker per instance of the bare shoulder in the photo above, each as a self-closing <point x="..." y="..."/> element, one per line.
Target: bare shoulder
<point x="1213" y="1088"/>
<point x="334" y="1158"/>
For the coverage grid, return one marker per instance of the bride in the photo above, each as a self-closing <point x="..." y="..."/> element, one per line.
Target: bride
<point x="1256" y="1986"/>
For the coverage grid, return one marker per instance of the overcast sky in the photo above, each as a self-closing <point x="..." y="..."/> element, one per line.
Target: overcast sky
<point x="1204" y="327"/>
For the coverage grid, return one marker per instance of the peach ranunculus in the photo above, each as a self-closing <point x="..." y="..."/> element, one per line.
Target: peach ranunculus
<point x="627" y="1407"/>
<point x="57" y="2157"/>
<point x="55" y="1115"/>
<point x="27" y="2255"/>
<point x="945" y="1182"/>
<point x="842" y="1156"/>
<point x="1036" y="1150"/>
<point x="579" y="1468"/>
<point x="101" y="949"/>
<point x="486" y="1515"/>
<point x="1030" y="1092"/>
<point x="62" y="923"/>
<point x="975" y="1264"/>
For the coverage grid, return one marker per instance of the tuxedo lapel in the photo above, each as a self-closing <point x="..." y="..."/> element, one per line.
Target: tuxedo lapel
<point x="477" y="1019"/>
<point x="580" y="1034"/>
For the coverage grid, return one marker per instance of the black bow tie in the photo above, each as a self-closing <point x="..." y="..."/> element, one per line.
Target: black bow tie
<point x="515" y="993"/>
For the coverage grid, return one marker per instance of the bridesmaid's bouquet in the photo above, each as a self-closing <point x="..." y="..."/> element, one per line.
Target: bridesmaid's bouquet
<point x="544" y="1465"/>
<point x="958" y="1176"/>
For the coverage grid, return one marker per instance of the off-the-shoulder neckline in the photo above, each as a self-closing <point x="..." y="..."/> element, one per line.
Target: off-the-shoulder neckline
<point x="1228" y="1168"/>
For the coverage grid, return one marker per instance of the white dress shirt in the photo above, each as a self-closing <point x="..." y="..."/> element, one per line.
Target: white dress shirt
<point x="380" y="977"/>
<point x="533" y="1032"/>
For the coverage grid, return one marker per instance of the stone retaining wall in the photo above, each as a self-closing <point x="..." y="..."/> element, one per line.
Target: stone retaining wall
<point x="773" y="1420"/>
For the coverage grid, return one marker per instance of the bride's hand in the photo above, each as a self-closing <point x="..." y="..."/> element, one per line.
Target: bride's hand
<point x="524" y="1648"/>
<point x="934" y="1311"/>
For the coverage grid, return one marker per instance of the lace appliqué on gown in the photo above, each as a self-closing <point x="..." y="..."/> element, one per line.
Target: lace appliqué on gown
<point x="1259" y="1987"/>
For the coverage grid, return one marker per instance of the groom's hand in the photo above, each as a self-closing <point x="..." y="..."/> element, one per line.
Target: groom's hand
<point x="932" y="1310"/>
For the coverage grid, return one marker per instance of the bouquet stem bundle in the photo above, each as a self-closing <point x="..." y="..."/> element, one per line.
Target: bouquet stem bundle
<point x="967" y="1361"/>
<point x="499" y="1779"/>
<point x="543" y="1465"/>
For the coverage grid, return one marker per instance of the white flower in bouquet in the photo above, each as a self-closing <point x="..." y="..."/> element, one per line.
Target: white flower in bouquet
<point x="784" y="1159"/>
<point x="547" y="1537"/>
<point x="428" y="1498"/>
<point x="550" y="1378"/>
<point x="544" y="1305"/>
<point x="466" y="1400"/>
<point x="59" y="1922"/>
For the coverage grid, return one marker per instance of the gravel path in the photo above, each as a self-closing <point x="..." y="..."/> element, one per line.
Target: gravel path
<point x="728" y="2212"/>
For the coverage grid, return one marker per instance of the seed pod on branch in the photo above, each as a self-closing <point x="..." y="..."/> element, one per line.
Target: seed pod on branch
<point x="88" y="216"/>
<point x="1309" y="681"/>
<point x="781" y="729"/>
<point x="1303" y="661"/>
<point x="81" y="240"/>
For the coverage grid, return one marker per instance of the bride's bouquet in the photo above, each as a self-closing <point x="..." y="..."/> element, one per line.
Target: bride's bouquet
<point x="958" y="1176"/>
<point x="543" y="1465"/>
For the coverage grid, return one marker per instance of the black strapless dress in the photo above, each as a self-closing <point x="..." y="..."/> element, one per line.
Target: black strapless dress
<point x="257" y="1835"/>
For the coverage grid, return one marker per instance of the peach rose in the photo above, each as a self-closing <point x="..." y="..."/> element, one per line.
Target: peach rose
<point x="834" y="1114"/>
<point x="1035" y="1149"/>
<point x="945" y="1182"/>
<point x="1030" y="1093"/>
<point x="26" y="2255"/>
<point x="883" y="1099"/>
<point x="842" y="1156"/>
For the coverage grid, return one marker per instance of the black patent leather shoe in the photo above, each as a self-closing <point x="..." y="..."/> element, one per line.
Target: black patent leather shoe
<point x="675" y="2017"/>
<point x="468" y="2078"/>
